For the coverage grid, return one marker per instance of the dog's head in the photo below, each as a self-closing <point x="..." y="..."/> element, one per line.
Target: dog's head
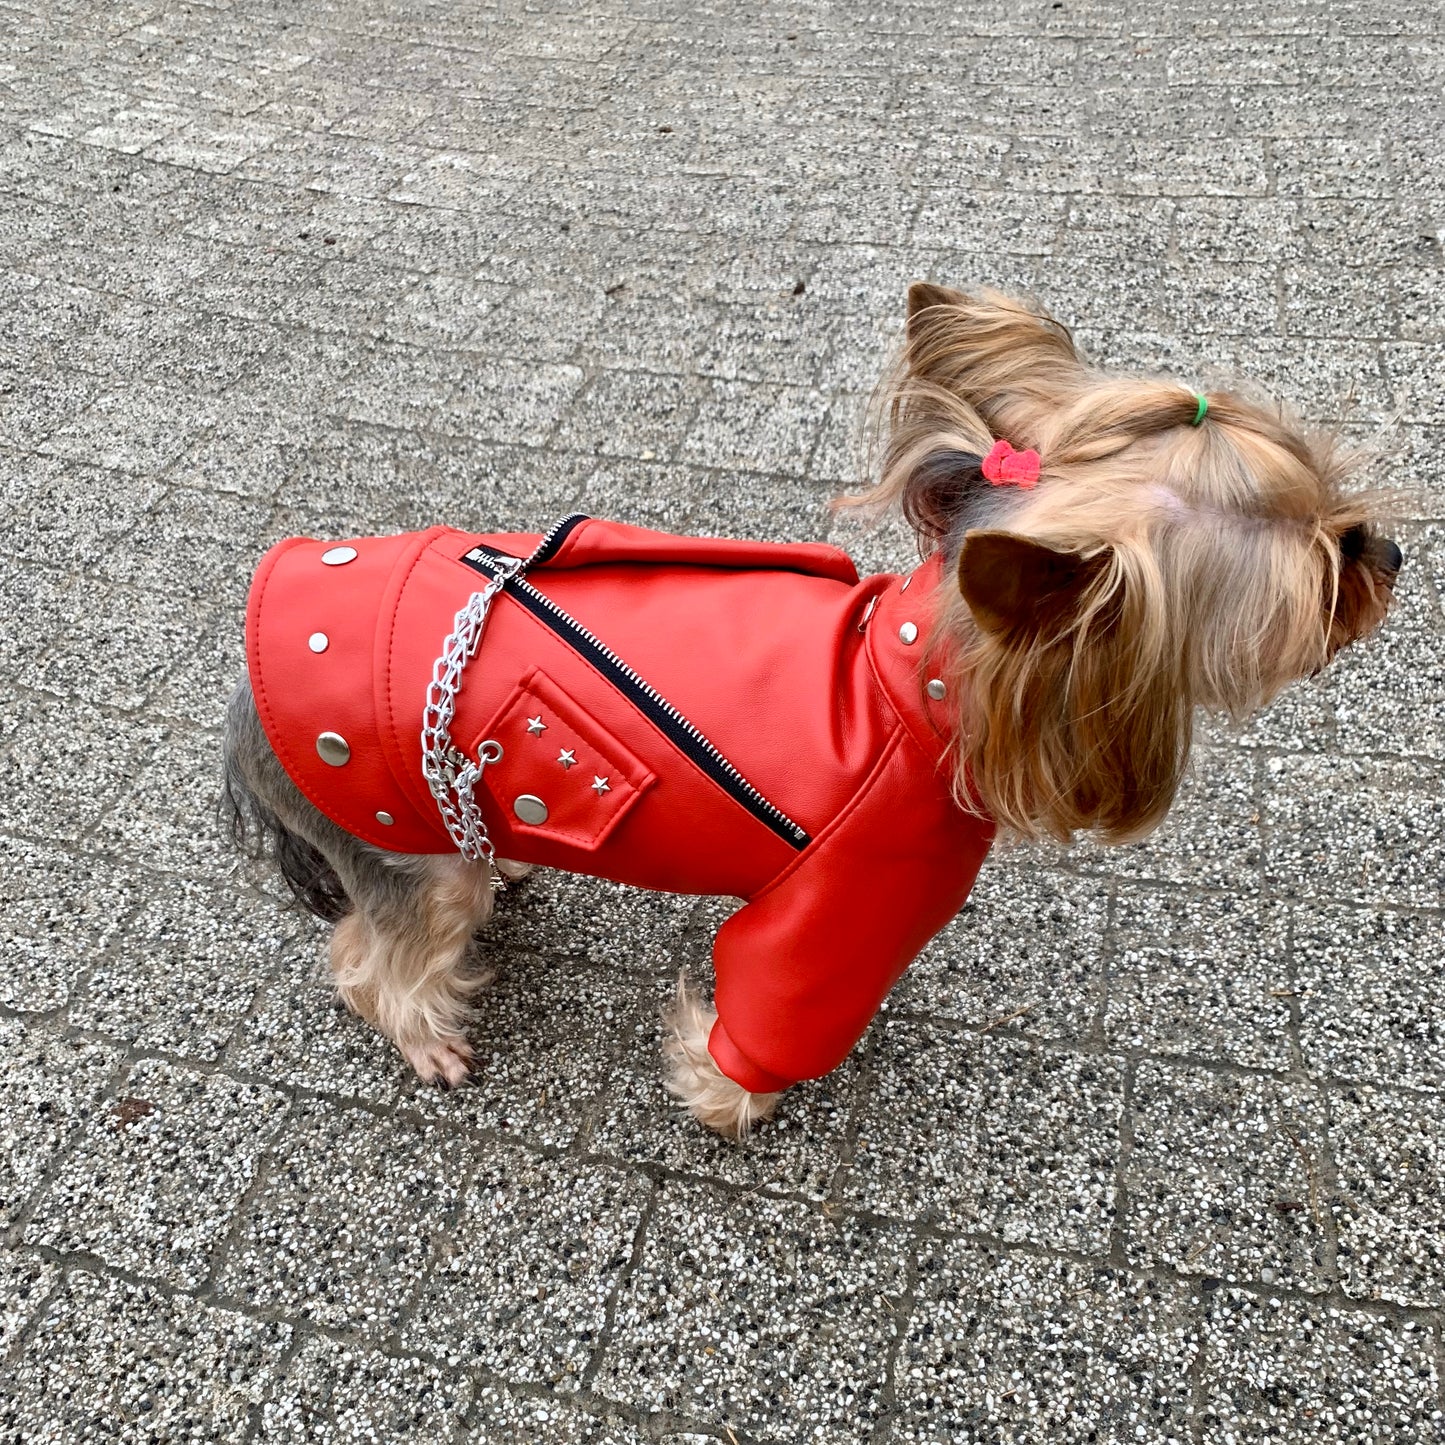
<point x="1161" y="551"/>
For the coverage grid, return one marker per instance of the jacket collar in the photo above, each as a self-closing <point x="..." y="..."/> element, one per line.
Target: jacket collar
<point x="906" y="607"/>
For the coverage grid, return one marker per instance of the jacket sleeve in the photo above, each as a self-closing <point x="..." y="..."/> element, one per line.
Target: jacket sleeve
<point x="802" y="969"/>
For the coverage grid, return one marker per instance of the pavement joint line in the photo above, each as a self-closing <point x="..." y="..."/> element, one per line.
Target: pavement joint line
<point x="14" y="1236"/>
<point x="606" y="1333"/>
<point x="889" y="1406"/>
<point x="1117" y="1252"/>
<point x="1215" y="1065"/>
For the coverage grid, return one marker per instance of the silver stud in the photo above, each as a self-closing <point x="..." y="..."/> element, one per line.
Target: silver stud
<point x="906" y="581"/>
<point x="385" y="819"/>
<point x="333" y="748"/>
<point x="567" y="758"/>
<point x="908" y="634"/>
<point x="338" y="556"/>
<point x="936" y="689"/>
<point x="318" y="642"/>
<point x="536" y="726"/>
<point x="530" y="809"/>
<point x="600" y="785"/>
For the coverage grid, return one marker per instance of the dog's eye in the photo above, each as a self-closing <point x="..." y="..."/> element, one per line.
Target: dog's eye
<point x="1352" y="544"/>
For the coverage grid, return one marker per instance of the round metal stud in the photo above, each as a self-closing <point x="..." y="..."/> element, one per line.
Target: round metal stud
<point x="530" y="809"/>
<point x="337" y="556"/>
<point x="908" y="634"/>
<point x="385" y="818"/>
<point x="318" y="642"/>
<point x="333" y="749"/>
<point x="936" y="689"/>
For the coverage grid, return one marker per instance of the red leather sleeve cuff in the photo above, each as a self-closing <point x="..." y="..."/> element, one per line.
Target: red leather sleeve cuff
<point x="738" y="1067"/>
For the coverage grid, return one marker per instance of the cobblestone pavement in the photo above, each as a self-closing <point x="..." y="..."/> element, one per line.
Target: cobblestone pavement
<point x="1147" y="1148"/>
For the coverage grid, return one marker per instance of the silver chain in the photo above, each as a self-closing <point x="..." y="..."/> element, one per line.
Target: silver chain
<point x="450" y="774"/>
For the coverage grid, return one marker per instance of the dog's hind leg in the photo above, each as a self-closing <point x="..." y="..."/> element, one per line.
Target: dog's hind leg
<point x="403" y="923"/>
<point x="399" y="961"/>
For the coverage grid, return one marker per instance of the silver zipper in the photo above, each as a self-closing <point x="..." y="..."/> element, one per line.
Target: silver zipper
<point x="782" y="822"/>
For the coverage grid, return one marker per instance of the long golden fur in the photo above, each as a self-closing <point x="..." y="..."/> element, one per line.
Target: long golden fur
<point x="1156" y="566"/>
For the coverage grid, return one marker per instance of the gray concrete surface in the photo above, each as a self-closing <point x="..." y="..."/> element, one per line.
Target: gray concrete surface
<point x="349" y="265"/>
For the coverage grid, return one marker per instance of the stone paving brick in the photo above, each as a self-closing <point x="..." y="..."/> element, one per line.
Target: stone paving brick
<point x="1211" y="838"/>
<point x="178" y="547"/>
<point x="590" y="918"/>
<point x="53" y="1086"/>
<point x="500" y="1414"/>
<point x="990" y="1135"/>
<point x="1227" y="1177"/>
<point x="351" y="479"/>
<point x="1014" y="1347"/>
<point x="115" y="647"/>
<point x="770" y="428"/>
<point x="298" y="1034"/>
<point x="1370" y="989"/>
<point x="705" y="502"/>
<point x="62" y="769"/>
<point x="1289" y="1370"/>
<point x="1352" y="827"/>
<point x="25" y="1281"/>
<point x="548" y="1035"/>
<point x="1389" y="1205"/>
<point x="1028" y="939"/>
<point x="168" y="812"/>
<point x="1203" y="976"/>
<point x="163" y="1164"/>
<point x="527" y="1265"/>
<point x="334" y="1392"/>
<point x="203" y="956"/>
<point x="757" y="1315"/>
<point x="58" y="909"/>
<point x="345" y="1219"/>
<point x="115" y="1360"/>
<point x="639" y="1121"/>
<point x="631" y="414"/>
<point x="458" y="393"/>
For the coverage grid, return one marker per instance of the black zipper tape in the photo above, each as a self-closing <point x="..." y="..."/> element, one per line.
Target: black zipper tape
<point x="643" y="696"/>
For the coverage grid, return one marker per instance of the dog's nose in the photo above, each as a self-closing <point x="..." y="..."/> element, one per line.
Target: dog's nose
<point x="1391" y="557"/>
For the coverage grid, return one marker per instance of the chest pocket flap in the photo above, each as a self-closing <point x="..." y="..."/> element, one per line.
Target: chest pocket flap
<point x="562" y="775"/>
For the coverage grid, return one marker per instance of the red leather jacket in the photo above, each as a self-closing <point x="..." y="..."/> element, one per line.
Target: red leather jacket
<point x="687" y="714"/>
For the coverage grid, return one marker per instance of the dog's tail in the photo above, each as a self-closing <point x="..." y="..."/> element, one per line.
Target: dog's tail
<point x="258" y="832"/>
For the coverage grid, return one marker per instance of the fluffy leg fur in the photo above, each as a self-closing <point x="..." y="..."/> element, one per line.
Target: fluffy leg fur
<point x="693" y="1077"/>
<point x="401" y="968"/>
<point x="403" y="924"/>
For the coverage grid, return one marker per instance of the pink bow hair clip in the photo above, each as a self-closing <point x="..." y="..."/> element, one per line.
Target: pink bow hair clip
<point x="1004" y="467"/>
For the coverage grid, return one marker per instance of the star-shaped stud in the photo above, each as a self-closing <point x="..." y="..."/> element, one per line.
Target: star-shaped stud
<point x="567" y="758"/>
<point x="600" y="785"/>
<point x="536" y="726"/>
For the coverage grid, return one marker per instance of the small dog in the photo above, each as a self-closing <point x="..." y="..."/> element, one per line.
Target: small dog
<point x="751" y="720"/>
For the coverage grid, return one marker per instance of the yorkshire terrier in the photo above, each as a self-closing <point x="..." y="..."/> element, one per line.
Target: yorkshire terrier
<point x="426" y="716"/>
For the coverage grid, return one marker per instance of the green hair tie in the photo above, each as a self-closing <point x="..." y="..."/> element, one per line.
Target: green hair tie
<point x="1203" y="407"/>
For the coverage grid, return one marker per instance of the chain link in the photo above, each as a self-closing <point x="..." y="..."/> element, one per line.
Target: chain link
<point x="450" y="774"/>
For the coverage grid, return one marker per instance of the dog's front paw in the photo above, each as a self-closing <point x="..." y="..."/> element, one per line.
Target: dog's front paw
<point x="445" y="1060"/>
<point x="694" y="1078"/>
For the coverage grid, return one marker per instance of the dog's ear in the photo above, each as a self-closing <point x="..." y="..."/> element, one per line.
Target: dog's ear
<point x="1014" y="584"/>
<point x="1001" y="357"/>
<point x="932" y="312"/>
<point x="922" y="295"/>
